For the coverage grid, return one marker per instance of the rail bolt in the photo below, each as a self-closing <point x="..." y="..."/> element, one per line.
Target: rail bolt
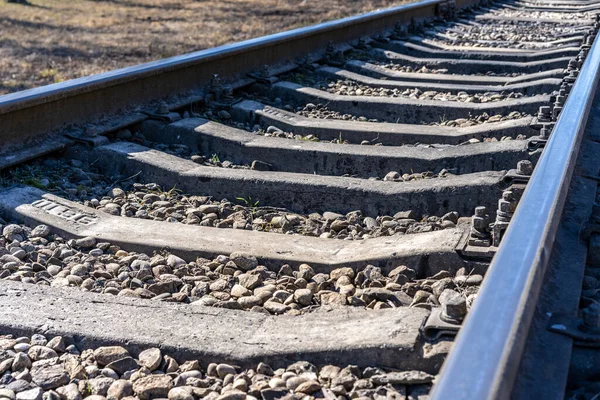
<point x="162" y="108"/>
<point x="454" y="305"/>
<point x="400" y="29"/>
<point x="589" y="40"/>
<point x="91" y="131"/>
<point x="265" y="71"/>
<point x="556" y="112"/>
<point x="544" y="114"/>
<point x="545" y="131"/>
<point x="524" y="167"/>
<point x="480" y="211"/>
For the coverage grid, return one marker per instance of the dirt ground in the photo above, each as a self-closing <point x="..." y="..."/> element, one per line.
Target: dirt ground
<point x="48" y="41"/>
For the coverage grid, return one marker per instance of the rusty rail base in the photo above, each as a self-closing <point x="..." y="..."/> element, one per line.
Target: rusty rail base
<point x="26" y="115"/>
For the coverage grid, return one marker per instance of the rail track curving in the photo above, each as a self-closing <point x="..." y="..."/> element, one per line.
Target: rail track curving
<point x="367" y="208"/>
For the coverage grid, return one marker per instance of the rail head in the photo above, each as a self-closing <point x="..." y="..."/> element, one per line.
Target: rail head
<point x="486" y="355"/>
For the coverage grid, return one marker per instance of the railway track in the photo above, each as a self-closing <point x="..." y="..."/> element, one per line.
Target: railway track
<point x="315" y="213"/>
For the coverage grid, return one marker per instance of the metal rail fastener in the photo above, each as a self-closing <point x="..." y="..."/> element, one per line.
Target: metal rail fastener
<point x="486" y="355"/>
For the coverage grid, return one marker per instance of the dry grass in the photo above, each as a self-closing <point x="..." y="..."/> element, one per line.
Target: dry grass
<point x="47" y="41"/>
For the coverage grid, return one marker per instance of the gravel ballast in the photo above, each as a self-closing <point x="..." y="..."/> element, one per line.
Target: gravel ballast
<point x="53" y="368"/>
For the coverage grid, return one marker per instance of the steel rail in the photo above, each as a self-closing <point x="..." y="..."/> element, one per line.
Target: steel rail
<point x="486" y="355"/>
<point x="27" y="114"/>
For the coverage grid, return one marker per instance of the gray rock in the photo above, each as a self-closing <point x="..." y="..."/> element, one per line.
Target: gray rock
<point x="240" y="291"/>
<point x="409" y="273"/>
<point x="405" y="215"/>
<point x="49" y="376"/>
<point x="110" y="373"/>
<point x="106" y="355"/>
<point x="303" y="297"/>
<point x="40" y="231"/>
<point x="152" y="386"/>
<point x="333" y="299"/>
<point x="31" y="394"/>
<point x="329" y="372"/>
<point x="79" y="270"/>
<point x="21" y="361"/>
<point x="244" y="261"/>
<point x="150" y="358"/>
<point x="240" y="384"/>
<point x="392" y="176"/>
<point x="23" y="347"/>
<point x="275" y="308"/>
<point x="37" y="353"/>
<point x="207" y="301"/>
<point x="37" y="339"/>
<point x="465" y="280"/>
<point x="309" y="387"/>
<point x="300" y="367"/>
<point x="249" y="301"/>
<point x="170" y="364"/>
<point x="281" y="295"/>
<point x="305" y="271"/>
<point x="24" y="374"/>
<point x="451" y="216"/>
<point x="174" y="261"/>
<point x="402" y="378"/>
<point x="11" y="231"/>
<point x="208" y="208"/>
<point x="92" y="371"/>
<point x="225" y="369"/>
<point x="86" y="242"/>
<point x="69" y="392"/>
<point x="7" y="394"/>
<point x="232" y="395"/>
<point x="18" y="385"/>
<point x="57" y="344"/>
<point x="180" y="393"/>
<point x="9" y="258"/>
<point x="370" y="223"/>
<point x="258" y="165"/>
<point x="19" y="253"/>
<point x="339" y="224"/>
<point x="264" y="369"/>
<point x="119" y="389"/>
<point x="100" y="385"/>
<point x="123" y="364"/>
<point x="224" y="114"/>
<point x="375" y="293"/>
<point x="116" y="192"/>
<point x="96" y="252"/>
<point x="54" y="269"/>
<point x="331" y="215"/>
<point x="250" y="281"/>
<point x="5" y="365"/>
<point x="339" y="272"/>
<point x="273" y="129"/>
<point x="5" y="354"/>
<point x="140" y="265"/>
<point x="293" y="382"/>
